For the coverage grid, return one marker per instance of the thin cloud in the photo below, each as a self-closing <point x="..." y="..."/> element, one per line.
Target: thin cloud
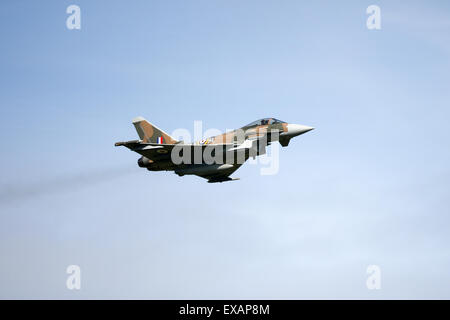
<point x="12" y="193"/>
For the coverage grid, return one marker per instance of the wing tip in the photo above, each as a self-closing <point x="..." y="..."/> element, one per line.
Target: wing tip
<point x="125" y="143"/>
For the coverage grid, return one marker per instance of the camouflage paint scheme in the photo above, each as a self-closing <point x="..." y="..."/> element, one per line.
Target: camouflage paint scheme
<point x="158" y="149"/>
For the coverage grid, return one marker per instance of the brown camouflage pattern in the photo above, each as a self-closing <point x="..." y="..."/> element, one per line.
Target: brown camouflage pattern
<point x="156" y="154"/>
<point x="150" y="134"/>
<point x="249" y="132"/>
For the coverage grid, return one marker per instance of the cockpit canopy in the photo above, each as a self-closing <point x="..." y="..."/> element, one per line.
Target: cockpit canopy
<point x="264" y="122"/>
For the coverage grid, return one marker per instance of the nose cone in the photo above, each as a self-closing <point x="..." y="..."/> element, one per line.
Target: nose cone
<point x="297" y="129"/>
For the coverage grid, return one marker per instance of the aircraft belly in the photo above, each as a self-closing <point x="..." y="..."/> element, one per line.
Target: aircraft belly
<point x="204" y="169"/>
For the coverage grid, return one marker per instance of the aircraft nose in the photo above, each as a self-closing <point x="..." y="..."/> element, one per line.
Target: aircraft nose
<point x="297" y="129"/>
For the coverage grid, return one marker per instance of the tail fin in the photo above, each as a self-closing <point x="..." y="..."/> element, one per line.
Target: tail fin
<point x="151" y="134"/>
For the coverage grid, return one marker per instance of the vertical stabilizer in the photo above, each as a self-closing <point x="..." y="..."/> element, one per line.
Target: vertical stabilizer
<point x="148" y="133"/>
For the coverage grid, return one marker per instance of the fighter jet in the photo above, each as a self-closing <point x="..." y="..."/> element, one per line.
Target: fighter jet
<point x="214" y="158"/>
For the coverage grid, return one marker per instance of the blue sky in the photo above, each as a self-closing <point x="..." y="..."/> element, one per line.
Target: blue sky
<point x="368" y="186"/>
